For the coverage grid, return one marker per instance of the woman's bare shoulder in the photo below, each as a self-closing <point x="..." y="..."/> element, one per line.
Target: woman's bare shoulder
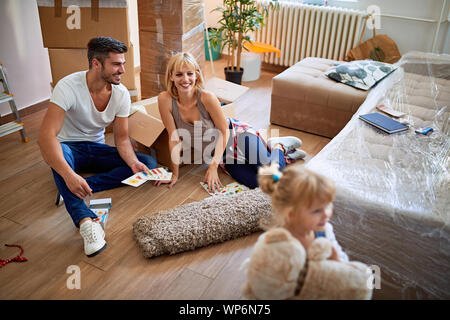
<point x="165" y="95"/>
<point x="206" y="94"/>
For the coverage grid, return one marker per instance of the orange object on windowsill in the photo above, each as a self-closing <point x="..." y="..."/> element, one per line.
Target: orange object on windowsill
<point x="260" y="47"/>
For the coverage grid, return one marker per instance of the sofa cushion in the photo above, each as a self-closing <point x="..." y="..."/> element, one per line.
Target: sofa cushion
<point x="304" y="98"/>
<point x="361" y="74"/>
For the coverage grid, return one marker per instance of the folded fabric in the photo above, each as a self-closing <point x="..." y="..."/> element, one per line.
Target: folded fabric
<point x="361" y="74"/>
<point x="198" y="224"/>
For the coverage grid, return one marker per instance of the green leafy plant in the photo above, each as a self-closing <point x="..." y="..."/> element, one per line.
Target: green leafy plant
<point x="239" y="18"/>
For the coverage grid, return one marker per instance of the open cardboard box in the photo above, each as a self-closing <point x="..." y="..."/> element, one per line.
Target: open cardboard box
<point x="146" y="127"/>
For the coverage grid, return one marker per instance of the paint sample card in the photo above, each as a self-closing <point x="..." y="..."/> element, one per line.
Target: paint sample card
<point x="135" y="180"/>
<point x="391" y="112"/>
<point x="102" y="216"/>
<point x="227" y="190"/>
<point x="160" y="174"/>
<point x="101" y="208"/>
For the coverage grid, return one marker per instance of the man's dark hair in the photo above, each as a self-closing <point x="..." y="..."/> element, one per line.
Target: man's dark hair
<point x="100" y="47"/>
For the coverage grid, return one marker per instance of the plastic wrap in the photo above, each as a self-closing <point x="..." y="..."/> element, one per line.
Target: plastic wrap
<point x="392" y="206"/>
<point x="167" y="27"/>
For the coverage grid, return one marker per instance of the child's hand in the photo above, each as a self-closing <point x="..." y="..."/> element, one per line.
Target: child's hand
<point x="334" y="254"/>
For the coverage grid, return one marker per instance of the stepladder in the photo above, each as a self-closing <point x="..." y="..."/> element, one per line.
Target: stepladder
<point x="7" y="96"/>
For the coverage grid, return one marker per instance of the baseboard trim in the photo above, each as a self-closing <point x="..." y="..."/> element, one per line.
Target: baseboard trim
<point x="265" y="66"/>
<point x="272" y="67"/>
<point x="26" y="111"/>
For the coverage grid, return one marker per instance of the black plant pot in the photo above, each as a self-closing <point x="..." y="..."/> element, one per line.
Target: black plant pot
<point x="232" y="75"/>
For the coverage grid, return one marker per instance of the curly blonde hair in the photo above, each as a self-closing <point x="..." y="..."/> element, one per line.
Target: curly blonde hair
<point x="176" y="63"/>
<point x="294" y="188"/>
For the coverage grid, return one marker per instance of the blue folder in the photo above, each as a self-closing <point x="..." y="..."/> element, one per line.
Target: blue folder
<point x="383" y="122"/>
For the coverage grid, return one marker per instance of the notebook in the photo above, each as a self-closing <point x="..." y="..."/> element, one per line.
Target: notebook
<point x="383" y="122"/>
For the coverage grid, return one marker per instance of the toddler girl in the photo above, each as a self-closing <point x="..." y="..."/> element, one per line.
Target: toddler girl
<point x="302" y="204"/>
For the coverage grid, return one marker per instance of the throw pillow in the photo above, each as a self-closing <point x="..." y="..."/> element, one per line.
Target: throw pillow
<point x="361" y="74"/>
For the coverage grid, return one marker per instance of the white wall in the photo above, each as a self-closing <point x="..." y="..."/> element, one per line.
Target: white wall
<point x="408" y="34"/>
<point x="23" y="54"/>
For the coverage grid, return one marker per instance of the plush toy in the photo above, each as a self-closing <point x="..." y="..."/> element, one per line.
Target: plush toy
<point x="280" y="268"/>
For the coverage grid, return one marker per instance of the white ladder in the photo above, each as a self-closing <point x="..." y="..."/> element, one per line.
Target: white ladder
<point x="7" y="96"/>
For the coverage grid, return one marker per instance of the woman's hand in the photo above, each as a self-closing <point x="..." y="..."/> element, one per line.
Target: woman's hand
<point x="170" y="182"/>
<point x="212" y="178"/>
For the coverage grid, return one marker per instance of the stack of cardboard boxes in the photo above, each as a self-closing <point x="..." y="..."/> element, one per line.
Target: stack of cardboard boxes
<point x="67" y="27"/>
<point x="167" y="27"/>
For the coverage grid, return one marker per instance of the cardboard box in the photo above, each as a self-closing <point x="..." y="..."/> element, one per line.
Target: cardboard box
<point x="156" y="50"/>
<point x="72" y="25"/>
<point x="66" y="61"/>
<point x="226" y="91"/>
<point x="170" y="16"/>
<point x="146" y="127"/>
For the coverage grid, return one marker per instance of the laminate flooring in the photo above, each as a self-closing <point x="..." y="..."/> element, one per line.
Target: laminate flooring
<point x="29" y="217"/>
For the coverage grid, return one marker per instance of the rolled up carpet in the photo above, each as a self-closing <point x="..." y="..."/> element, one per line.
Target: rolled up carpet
<point x="198" y="224"/>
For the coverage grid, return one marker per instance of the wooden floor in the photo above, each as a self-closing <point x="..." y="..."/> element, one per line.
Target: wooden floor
<point x="29" y="217"/>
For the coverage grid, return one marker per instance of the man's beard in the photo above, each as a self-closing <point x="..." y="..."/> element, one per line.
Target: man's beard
<point x="109" y="78"/>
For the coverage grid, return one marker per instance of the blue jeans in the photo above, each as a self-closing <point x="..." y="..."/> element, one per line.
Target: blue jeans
<point x="85" y="156"/>
<point x="256" y="155"/>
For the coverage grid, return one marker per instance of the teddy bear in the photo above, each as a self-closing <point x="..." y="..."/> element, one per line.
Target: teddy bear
<point x="280" y="268"/>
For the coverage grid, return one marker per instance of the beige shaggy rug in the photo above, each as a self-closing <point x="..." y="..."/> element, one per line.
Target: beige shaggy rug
<point x="198" y="224"/>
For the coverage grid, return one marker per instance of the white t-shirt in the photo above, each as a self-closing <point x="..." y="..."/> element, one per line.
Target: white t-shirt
<point x="83" y="122"/>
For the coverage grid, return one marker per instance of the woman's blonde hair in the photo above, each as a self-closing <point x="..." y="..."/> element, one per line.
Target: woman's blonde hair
<point x="294" y="188"/>
<point x="176" y="63"/>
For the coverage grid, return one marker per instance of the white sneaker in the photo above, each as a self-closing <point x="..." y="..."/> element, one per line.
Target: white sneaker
<point x="289" y="143"/>
<point x="296" y="154"/>
<point x="94" y="238"/>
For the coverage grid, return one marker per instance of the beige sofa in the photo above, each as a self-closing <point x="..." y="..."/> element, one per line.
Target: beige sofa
<point x="392" y="208"/>
<point x="304" y="98"/>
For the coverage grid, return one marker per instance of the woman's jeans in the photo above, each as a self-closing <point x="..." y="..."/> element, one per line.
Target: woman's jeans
<point x="256" y="155"/>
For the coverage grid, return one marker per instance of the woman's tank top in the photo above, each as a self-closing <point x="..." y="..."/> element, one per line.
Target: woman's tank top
<point x="198" y="129"/>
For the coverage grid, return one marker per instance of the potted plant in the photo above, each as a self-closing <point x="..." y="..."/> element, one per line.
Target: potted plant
<point x="239" y="17"/>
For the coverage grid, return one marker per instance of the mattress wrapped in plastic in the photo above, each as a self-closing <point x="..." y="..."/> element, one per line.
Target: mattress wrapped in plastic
<point x="392" y="207"/>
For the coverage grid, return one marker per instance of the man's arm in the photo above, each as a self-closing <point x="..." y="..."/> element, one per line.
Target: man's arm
<point x="52" y="152"/>
<point x="124" y="147"/>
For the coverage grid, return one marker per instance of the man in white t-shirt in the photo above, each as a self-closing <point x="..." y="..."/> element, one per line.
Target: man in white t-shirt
<point x="72" y="138"/>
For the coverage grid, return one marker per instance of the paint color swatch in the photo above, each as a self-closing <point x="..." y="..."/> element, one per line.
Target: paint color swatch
<point x="227" y="190"/>
<point x="135" y="180"/>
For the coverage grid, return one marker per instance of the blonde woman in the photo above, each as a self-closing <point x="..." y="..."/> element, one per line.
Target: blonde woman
<point x="191" y="114"/>
<point x="302" y="204"/>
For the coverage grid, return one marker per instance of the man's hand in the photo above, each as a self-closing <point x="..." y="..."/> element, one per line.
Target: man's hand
<point x="138" y="167"/>
<point x="78" y="186"/>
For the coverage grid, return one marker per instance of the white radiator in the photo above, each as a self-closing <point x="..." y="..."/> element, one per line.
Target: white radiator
<point x="301" y="30"/>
